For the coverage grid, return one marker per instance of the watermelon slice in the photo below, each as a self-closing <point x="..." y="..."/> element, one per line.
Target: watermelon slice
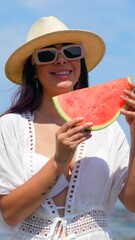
<point x="99" y="104"/>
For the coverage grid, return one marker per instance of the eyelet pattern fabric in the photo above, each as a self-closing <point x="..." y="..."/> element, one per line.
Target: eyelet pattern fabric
<point x="84" y="223"/>
<point x="51" y="225"/>
<point x="31" y="142"/>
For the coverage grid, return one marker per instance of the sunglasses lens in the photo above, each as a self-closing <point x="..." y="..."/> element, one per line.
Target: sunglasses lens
<point x="46" y="56"/>
<point x="72" y="52"/>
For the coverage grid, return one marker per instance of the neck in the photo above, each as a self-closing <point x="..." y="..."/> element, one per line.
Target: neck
<point x="50" y="117"/>
<point x="48" y="113"/>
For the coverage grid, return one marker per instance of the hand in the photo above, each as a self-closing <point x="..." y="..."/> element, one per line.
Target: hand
<point x="68" y="137"/>
<point x="129" y="112"/>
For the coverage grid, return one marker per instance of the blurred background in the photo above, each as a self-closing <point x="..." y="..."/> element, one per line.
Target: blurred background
<point x="113" y="20"/>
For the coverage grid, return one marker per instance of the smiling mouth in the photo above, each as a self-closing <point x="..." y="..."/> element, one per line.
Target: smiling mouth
<point x="62" y="73"/>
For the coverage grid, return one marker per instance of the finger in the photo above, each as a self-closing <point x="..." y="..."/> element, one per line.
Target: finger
<point x="68" y="125"/>
<point x="132" y="85"/>
<point x="71" y="124"/>
<point x="82" y="129"/>
<point x="128" y="113"/>
<point x="75" y="143"/>
<point x="130" y="101"/>
<point x="130" y="94"/>
<point x="81" y="136"/>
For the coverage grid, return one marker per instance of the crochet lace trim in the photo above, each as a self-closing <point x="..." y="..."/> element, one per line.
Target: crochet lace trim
<point x="85" y="223"/>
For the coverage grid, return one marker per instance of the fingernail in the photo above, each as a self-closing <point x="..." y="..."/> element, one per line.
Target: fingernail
<point x="89" y="124"/>
<point x="80" y="119"/>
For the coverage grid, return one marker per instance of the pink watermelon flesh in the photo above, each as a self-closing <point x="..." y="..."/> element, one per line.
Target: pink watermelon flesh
<point x="99" y="104"/>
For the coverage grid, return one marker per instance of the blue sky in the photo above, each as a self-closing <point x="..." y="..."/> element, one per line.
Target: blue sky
<point x="113" y="20"/>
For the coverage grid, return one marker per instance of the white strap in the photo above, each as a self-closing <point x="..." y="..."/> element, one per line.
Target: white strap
<point x="59" y="186"/>
<point x="60" y="207"/>
<point x="61" y="223"/>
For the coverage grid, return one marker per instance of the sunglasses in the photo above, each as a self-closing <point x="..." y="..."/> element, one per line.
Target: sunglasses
<point x="50" y="54"/>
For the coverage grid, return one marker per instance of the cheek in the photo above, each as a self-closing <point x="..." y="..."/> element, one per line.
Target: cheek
<point x="41" y="71"/>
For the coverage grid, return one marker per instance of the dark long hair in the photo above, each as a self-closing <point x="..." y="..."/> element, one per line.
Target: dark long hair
<point x="28" y="97"/>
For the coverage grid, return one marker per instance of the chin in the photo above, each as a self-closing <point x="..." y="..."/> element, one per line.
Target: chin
<point x="66" y="87"/>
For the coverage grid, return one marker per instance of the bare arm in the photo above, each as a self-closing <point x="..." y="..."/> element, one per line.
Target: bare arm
<point x="127" y="195"/>
<point x="24" y="200"/>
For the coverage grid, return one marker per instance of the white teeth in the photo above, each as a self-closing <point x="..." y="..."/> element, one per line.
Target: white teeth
<point x="63" y="73"/>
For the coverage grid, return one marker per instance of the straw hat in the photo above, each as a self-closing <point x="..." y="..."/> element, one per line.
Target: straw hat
<point x="49" y="31"/>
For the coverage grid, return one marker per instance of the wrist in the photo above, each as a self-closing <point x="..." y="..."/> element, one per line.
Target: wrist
<point x="58" y="165"/>
<point x="132" y="137"/>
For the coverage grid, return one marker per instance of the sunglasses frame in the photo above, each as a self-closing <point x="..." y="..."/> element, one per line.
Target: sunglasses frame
<point x="35" y="58"/>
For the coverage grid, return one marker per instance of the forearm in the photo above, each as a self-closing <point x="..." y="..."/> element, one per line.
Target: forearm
<point x="127" y="195"/>
<point x="24" y="200"/>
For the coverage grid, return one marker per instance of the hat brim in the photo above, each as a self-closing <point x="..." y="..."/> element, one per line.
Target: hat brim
<point x="94" y="49"/>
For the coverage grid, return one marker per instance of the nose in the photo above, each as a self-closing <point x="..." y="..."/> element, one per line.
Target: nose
<point x="60" y="59"/>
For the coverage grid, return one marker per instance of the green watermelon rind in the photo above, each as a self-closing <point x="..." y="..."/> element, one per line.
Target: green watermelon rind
<point x="102" y="126"/>
<point x="95" y="127"/>
<point x="59" y="109"/>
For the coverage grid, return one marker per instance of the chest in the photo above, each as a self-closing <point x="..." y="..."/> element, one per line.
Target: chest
<point x="45" y="139"/>
<point x="45" y="144"/>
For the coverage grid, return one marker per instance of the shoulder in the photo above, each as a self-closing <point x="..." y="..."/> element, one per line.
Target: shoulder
<point x="10" y="117"/>
<point x="116" y="130"/>
<point x="112" y="130"/>
<point x="113" y="135"/>
<point x="14" y="123"/>
<point x="10" y="121"/>
<point x="14" y="118"/>
<point x="14" y="127"/>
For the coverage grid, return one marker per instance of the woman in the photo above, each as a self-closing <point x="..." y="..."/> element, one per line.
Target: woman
<point x="57" y="180"/>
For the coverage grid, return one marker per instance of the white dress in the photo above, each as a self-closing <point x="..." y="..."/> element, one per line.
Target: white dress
<point x="97" y="179"/>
